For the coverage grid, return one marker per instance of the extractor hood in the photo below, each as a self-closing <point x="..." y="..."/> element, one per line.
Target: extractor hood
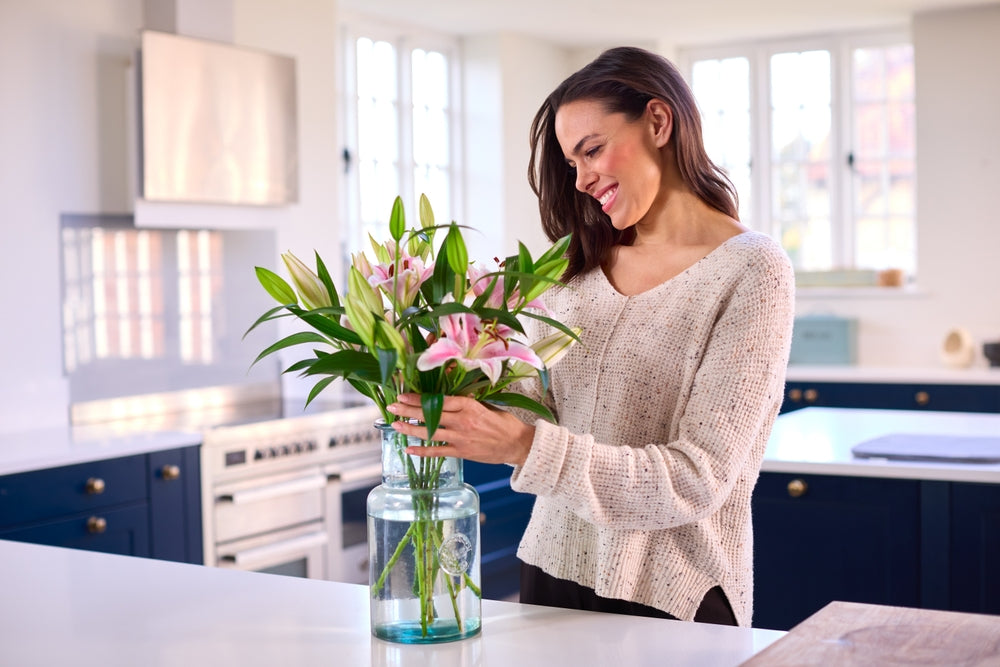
<point x="217" y="123"/>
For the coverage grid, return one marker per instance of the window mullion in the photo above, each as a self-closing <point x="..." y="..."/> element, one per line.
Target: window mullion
<point x="761" y="142"/>
<point x="841" y="181"/>
<point x="404" y="98"/>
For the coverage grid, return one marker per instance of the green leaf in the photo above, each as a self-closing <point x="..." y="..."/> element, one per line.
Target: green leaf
<point x="276" y="286"/>
<point x="386" y="363"/>
<point x="433" y="405"/>
<point x="288" y="341"/>
<point x="325" y="325"/>
<point x="512" y="400"/>
<point x="299" y="365"/>
<point x="557" y="250"/>
<point x="524" y="262"/>
<point x="552" y="323"/>
<point x="327" y="281"/>
<point x="267" y="317"/>
<point x="365" y="389"/>
<point x="347" y="363"/>
<point x="317" y="388"/>
<point x="397" y="220"/>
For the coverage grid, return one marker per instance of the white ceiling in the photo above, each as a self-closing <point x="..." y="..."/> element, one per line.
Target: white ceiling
<point x="590" y="23"/>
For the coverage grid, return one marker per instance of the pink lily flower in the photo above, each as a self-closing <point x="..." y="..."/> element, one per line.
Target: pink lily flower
<point x="480" y="281"/>
<point x="412" y="274"/>
<point x="464" y="338"/>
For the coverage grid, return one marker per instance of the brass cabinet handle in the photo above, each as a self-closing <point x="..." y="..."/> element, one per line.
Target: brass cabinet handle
<point x="797" y="488"/>
<point x="811" y="395"/>
<point x="94" y="486"/>
<point x="170" y="471"/>
<point x="97" y="525"/>
<point x="795" y="395"/>
<point x="922" y="398"/>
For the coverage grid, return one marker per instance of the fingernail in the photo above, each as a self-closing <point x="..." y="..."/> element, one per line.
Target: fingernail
<point x="393" y="408"/>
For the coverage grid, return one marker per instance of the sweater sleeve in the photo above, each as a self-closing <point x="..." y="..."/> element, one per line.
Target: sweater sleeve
<point x="721" y="430"/>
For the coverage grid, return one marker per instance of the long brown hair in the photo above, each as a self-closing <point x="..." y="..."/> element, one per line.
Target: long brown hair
<point x="623" y="79"/>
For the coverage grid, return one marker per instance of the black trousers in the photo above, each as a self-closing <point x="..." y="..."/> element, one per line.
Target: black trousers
<point x="537" y="587"/>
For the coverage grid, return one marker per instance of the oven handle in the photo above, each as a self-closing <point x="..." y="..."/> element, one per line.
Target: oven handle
<point x="363" y="473"/>
<point x="269" y="552"/>
<point x="270" y="491"/>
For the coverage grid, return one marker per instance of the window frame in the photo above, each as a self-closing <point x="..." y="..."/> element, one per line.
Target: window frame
<point x="759" y="53"/>
<point x="405" y="39"/>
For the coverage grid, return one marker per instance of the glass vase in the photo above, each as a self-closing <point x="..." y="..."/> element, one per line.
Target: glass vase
<point x="423" y="546"/>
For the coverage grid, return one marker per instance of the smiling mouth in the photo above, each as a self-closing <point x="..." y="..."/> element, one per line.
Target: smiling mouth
<point x="607" y="196"/>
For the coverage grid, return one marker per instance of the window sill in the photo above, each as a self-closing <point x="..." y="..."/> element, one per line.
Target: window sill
<point x="904" y="292"/>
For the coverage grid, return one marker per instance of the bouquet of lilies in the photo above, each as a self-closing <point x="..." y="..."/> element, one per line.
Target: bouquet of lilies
<point x="418" y="317"/>
<point x="413" y="320"/>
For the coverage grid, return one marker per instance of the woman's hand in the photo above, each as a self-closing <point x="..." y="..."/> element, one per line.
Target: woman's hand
<point x="470" y="430"/>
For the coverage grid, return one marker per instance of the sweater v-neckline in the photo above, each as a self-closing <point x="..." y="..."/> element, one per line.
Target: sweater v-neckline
<point x="658" y="286"/>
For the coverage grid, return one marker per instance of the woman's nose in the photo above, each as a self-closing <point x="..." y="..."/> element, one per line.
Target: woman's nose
<point x="584" y="179"/>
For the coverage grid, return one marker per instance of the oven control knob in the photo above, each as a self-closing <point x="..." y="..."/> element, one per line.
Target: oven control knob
<point x="273" y="452"/>
<point x="333" y="441"/>
<point x="298" y="448"/>
<point x="311" y="445"/>
<point x="258" y="455"/>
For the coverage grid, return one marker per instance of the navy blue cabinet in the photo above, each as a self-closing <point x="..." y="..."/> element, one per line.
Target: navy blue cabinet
<point x="892" y="396"/>
<point x="819" y="538"/>
<point x="140" y="505"/>
<point x="914" y="543"/>
<point x="504" y="515"/>
<point x="975" y="548"/>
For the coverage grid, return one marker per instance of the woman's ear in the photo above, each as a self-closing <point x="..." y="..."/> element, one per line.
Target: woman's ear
<point x="661" y="119"/>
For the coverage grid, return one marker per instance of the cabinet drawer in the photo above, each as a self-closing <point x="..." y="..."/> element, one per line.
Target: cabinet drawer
<point x="83" y="487"/>
<point x="122" y="530"/>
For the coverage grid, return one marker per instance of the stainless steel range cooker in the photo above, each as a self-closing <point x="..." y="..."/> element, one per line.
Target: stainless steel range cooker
<point x="288" y="496"/>
<point x="283" y="490"/>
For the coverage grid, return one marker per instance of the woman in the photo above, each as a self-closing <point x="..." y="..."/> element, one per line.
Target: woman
<point x="643" y="488"/>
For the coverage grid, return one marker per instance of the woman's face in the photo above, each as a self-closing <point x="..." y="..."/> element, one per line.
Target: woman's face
<point x="617" y="162"/>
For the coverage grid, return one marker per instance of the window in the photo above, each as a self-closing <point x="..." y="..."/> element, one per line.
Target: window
<point x="402" y="134"/>
<point x="819" y="138"/>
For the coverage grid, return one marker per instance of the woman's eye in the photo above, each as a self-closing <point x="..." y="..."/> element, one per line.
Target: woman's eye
<point x="593" y="151"/>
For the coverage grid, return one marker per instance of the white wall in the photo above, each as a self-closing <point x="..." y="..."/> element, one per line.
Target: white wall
<point x="62" y="86"/>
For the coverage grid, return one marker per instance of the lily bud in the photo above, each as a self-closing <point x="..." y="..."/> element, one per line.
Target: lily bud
<point x="311" y="290"/>
<point x="362" y="320"/>
<point x="550" y="350"/>
<point x="361" y="263"/>
<point x="363" y="292"/>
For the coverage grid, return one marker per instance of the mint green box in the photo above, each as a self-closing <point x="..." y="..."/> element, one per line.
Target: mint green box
<point x="824" y="340"/>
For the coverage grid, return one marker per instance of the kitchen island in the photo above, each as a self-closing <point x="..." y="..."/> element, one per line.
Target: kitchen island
<point x="829" y="525"/>
<point x="71" y="607"/>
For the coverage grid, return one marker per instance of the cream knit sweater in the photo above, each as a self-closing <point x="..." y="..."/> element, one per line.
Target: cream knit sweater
<point x="664" y="410"/>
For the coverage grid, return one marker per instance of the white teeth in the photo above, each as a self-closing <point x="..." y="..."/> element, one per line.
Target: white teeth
<point x="606" y="196"/>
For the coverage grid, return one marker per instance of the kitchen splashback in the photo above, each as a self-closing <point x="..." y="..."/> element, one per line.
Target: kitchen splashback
<point x="147" y="311"/>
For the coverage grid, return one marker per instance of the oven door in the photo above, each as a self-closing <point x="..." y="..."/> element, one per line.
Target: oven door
<point x="348" y="506"/>
<point x="300" y="552"/>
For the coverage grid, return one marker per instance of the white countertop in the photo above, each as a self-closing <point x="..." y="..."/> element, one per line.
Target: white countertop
<point x="819" y="440"/>
<point x="71" y="607"/>
<point x="50" y="448"/>
<point x="894" y="375"/>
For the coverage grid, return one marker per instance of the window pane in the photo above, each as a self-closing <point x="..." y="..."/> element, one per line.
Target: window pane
<point x="884" y="147"/>
<point x="801" y="122"/>
<point x="431" y="131"/>
<point x="722" y="89"/>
